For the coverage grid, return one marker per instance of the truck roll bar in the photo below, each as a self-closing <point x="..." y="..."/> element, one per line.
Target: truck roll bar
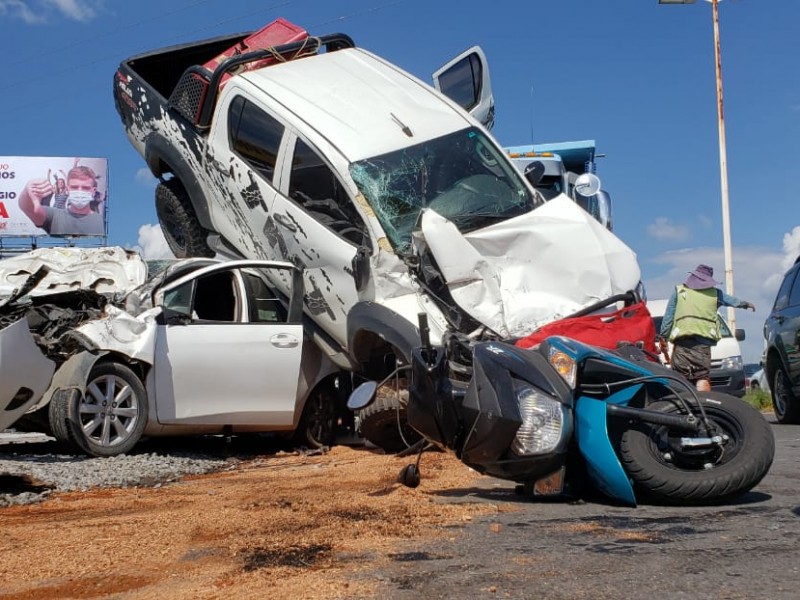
<point x="206" y="99"/>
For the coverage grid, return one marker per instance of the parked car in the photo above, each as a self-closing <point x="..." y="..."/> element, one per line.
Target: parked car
<point x="758" y="381"/>
<point x="750" y="369"/>
<point x="199" y="347"/>
<point x="727" y="366"/>
<point x="782" y="335"/>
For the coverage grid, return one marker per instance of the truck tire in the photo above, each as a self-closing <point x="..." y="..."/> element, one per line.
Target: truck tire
<point x="183" y="232"/>
<point x="384" y="423"/>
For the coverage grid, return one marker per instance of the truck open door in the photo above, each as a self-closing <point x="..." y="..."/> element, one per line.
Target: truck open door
<point x="465" y="80"/>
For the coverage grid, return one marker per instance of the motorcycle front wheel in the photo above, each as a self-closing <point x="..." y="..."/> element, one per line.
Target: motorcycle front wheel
<point x="709" y="467"/>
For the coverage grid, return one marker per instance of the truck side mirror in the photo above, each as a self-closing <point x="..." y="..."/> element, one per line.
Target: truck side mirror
<point x="534" y="171"/>
<point x="739" y="335"/>
<point x="361" y="268"/>
<point x="587" y="184"/>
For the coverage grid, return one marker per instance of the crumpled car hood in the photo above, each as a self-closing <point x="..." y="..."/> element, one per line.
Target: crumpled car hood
<point x="522" y="273"/>
<point x="103" y="270"/>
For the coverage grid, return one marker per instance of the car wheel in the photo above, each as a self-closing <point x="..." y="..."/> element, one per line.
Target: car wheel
<point x="754" y="386"/>
<point x="784" y="402"/>
<point x="317" y="427"/>
<point x="182" y="230"/>
<point x="108" y="419"/>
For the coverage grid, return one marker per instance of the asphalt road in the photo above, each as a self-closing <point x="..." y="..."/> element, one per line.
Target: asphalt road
<point x="546" y="550"/>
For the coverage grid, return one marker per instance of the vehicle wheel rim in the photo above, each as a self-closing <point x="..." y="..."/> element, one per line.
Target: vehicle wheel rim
<point x="779" y="398"/>
<point x="109" y="411"/>
<point x="320" y="422"/>
<point x="666" y="445"/>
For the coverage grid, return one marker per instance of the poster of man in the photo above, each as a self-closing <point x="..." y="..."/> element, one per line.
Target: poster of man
<point x="54" y="196"/>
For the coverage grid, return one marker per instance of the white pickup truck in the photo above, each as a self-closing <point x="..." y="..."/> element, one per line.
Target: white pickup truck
<point x="392" y="198"/>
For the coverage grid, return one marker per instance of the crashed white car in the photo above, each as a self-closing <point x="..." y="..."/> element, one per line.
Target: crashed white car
<point x="99" y="354"/>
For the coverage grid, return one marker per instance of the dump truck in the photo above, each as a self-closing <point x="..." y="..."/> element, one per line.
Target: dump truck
<point x="564" y="163"/>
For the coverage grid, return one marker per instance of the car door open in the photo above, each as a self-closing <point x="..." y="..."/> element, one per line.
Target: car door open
<point x="466" y="81"/>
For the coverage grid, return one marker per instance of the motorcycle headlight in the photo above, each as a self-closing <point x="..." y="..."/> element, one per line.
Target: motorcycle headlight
<point x="732" y="363"/>
<point x="564" y="364"/>
<point x="543" y="420"/>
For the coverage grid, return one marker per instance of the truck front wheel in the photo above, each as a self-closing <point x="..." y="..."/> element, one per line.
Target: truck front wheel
<point x="383" y="423"/>
<point x="183" y="232"/>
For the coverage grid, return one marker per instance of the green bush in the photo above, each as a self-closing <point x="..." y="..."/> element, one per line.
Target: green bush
<point x="759" y="399"/>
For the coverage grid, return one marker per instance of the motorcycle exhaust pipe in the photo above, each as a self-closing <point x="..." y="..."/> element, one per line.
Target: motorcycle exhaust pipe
<point x="688" y="423"/>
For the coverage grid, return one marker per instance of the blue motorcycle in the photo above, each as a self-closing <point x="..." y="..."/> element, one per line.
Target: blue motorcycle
<point x="566" y="419"/>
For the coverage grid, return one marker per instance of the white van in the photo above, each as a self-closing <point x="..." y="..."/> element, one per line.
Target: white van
<point x="727" y="366"/>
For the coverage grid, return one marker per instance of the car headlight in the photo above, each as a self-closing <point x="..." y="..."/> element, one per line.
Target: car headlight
<point x="733" y="363"/>
<point x="564" y="364"/>
<point x="641" y="292"/>
<point x="543" y="420"/>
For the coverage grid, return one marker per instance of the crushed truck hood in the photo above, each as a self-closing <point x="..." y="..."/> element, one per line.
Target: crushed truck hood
<point x="522" y="273"/>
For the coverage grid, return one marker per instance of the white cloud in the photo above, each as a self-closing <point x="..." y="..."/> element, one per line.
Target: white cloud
<point x="663" y="229"/>
<point x="705" y="221"/>
<point x="791" y="246"/>
<point x="77" y="10"/>
<point x="145" y="177"/>
<point x="35" y="12"/>
<point x="20" y="9"/>
<point x="151" y="244"/>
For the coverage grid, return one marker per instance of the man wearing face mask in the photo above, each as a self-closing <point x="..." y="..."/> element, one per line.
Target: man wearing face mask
<point x="77" y="218"/>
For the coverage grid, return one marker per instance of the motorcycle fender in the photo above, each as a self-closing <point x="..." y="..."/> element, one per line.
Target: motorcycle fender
<point x="605" y="470"/>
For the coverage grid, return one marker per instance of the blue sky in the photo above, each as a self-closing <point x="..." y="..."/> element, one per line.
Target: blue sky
<point x="635" y="76"/>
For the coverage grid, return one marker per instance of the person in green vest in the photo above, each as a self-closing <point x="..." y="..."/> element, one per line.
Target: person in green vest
<point x="691" y="323"/>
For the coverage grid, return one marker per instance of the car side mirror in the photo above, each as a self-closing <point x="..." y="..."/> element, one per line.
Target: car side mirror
<point x="363" y="396"/>
<point x="534" y="171"/>
<point x="360" y="265"/>
<point x="167" y="316"/>
<point x="739" y="335"/>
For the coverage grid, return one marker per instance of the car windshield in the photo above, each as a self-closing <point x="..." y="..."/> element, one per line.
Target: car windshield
<point x="462" y="176"/>
<point x="724" y="330"/>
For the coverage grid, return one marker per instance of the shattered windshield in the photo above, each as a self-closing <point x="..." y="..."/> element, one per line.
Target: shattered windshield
<point x="462" y="176"/>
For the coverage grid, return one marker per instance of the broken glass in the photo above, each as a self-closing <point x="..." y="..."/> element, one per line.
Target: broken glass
<point x="462" y="176"/>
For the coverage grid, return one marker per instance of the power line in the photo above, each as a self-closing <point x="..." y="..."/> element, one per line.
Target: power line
<point x="89" y="40"/>
<point x="51" y="74"/>
<point x="361" y="12"/>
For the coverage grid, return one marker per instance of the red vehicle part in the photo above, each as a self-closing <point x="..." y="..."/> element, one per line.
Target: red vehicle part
<point x="631" y="324"/>
<point x="280" y="31"/>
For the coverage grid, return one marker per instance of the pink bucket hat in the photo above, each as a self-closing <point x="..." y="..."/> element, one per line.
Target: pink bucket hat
<point x="701" y="278"/>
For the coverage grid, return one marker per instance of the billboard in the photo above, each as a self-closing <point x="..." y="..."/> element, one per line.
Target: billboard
<point x="55" y="196"/>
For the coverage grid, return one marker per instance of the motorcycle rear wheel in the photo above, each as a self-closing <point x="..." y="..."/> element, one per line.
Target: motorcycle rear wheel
<point x="666" y="472"/>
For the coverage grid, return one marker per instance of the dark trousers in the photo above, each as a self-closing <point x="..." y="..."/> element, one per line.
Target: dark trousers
<point x="691" y="358"/>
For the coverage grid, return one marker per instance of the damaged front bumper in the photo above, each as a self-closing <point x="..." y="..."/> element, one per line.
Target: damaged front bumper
<point x="25" y="373"/>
